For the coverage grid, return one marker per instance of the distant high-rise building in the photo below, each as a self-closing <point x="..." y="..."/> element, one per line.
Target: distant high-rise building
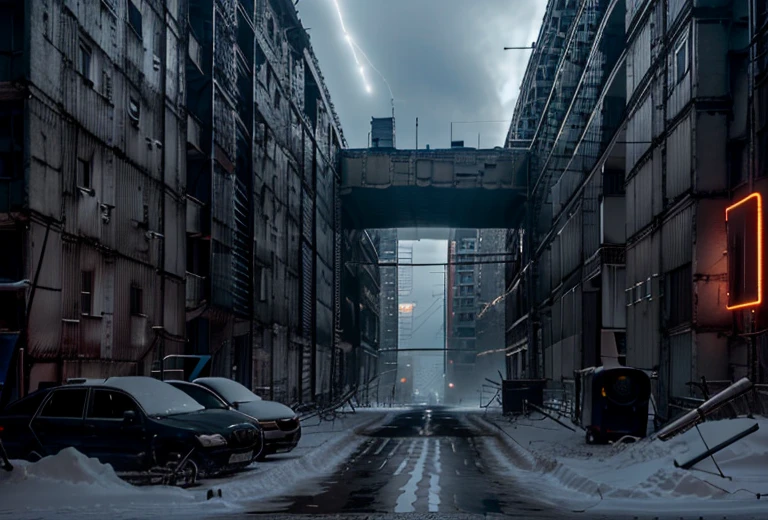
<point x="383" y="132"/>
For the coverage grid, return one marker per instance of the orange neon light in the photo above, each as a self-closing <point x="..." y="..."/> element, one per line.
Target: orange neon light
<point x="746" y="199"/>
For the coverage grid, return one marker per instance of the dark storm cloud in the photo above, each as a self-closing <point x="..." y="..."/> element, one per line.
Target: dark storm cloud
<point x="444" y="60"/>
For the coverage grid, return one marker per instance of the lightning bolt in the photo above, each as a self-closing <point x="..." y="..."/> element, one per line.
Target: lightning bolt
<point x="353" y="47"/>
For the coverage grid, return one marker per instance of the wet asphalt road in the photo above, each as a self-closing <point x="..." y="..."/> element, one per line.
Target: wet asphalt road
<point x="430" y="464"/>
<point x="423" y="461"/>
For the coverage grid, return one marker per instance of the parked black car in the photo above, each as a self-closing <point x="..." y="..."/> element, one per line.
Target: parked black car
<point x="282" y="429"/>
<point x="211" y="401"/>
<point x="133" y="423"/>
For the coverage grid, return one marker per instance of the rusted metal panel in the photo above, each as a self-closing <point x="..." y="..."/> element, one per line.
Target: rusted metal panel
<point x="679" y="160"/>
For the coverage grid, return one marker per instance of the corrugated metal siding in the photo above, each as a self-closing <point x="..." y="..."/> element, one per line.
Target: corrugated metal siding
<point x="633" y="7"/>
<point x="674" y="8"/>
<point x="133" y="334"/>
<point x="658" y="180"/>
<point x="591" y="218"/>
<point x="681" y="364"/>
<point x="711" y="152"/>
<point x="678" y="239"/>
<point x="640" y="194"/>
<point x="679" y="91"/>
<point x="639" y="130"/>
<point x="638" y="58"/>
<point x="570" y="243"/>
<point x="679" y="159"/>
<point x="630" y="198"/>
<point x="45" y="314"/>
<point x="614" y="310"/>
<point x="643" y="325"/>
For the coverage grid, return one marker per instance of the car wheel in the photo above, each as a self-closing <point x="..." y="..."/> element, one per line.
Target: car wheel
<point x="187" y="474"/>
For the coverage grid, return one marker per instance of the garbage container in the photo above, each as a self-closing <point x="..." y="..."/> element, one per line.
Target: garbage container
<point x="613" y="402"/>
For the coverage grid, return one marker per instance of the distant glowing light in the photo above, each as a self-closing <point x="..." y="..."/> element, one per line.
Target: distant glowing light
<point x="450" y="385"/>
<point x="352" y="47"/>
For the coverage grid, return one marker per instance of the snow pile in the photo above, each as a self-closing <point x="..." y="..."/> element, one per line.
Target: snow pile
<point x="641" y="476"/>
<point x="70" y="481"/>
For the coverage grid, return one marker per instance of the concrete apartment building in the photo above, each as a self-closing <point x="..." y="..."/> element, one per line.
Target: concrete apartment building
<point x="388" y="326"/>
<point x="475" y="322"/>
<point x="640" y="123"/>
<point x="92" y="186"/>
<point x="168" y="185"/>
<point x="263" y="138"/>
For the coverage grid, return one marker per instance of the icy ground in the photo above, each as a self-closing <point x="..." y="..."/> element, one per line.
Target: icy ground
<point x="70" y="485"/>
<point x="641" y="477"/>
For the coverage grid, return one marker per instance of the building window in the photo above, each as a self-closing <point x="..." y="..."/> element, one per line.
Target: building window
<point x="84" y="172"/>
<point x="137" y="301"/>
<point x="86" y="293"/>
<point x="678" y="291"/>
<point x="681" y="60"/>
<point x="84" y="62"/>
<point x="277" y="99"/>
<point x="134" y="18"/>
<point x="134" y="110"/>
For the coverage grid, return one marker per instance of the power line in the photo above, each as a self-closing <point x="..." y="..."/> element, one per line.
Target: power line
<point x="439" y="264"/>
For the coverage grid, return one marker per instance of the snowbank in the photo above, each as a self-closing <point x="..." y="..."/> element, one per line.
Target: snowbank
<point x="71" y="485"/>
<point x="641" y="476"/>
<point x="69" y="482"/>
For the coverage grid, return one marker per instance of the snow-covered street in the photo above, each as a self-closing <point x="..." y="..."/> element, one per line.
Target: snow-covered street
<point x="421" y="461"/>
<point x="638" y="477"/>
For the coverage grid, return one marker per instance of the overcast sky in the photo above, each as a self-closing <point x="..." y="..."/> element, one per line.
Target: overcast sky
<point x="443" y="59"/>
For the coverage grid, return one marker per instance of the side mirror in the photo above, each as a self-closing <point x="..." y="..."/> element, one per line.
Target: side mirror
<point x="129" y="417"/>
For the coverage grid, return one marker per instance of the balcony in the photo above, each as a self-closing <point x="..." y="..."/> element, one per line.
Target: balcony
<point x="195" y="290"/>
<point x="606" y="255"/>
<point x="194" y="135"/>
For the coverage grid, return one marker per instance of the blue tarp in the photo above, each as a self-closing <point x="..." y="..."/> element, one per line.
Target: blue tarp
<point x="7" y="344"/>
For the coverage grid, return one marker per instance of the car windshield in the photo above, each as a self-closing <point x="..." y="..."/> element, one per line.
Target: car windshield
<point x="156" y="397"/>
<point x="202" y="395"/>
<point x="231" y="391"/>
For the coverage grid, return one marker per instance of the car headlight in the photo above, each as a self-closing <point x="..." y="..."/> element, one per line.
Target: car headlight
<point x="211" y="441"/>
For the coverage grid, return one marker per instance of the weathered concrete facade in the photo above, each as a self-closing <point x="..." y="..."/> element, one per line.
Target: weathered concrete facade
<point x="642" y="138"/>
<point x="170" y="186"/>
<point x="93" y="212"/>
